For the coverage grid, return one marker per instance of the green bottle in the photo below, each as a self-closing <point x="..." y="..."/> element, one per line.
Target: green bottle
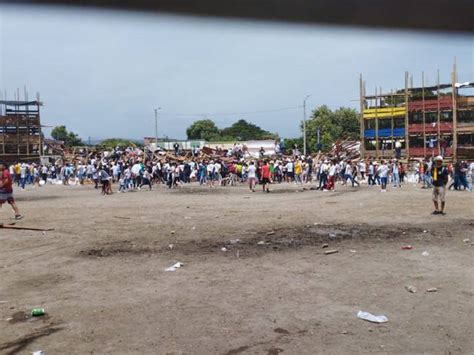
<point x="36" y="312"/>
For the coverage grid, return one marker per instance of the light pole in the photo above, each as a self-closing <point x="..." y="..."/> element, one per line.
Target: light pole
<point x="156" y="126"/>
<point x="304" y="124"/>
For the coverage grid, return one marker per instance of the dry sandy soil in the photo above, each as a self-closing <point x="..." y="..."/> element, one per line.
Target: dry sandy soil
<point x="100" y="275"/>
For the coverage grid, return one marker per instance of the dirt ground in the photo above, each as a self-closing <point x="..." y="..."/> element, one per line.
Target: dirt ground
<point x="100" y="275"/>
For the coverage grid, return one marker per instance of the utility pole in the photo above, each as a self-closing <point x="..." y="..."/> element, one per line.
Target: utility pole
<point x="156" y="126"/>
<point x="304" y="124"/>
<point x="319" y="141"/>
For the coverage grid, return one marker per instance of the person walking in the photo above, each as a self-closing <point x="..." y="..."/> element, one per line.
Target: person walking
<point x="440" y="177"/>
<point x="6" y="190"/>
<point x="252" y="176"/>
<point x="265" y="176"/>
<point x="383" y="175"/>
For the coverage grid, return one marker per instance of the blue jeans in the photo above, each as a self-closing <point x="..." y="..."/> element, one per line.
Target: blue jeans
<point x="396" y="179"/>
<point x="383" y="181"/>
<point x="350" y="177"/>
<point x="23" y="182"/>
<point x="427" y="180"/>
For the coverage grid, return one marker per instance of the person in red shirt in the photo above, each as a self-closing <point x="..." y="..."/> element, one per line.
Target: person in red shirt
<point x="6" y="190"/>
<point x="265" y="176"/>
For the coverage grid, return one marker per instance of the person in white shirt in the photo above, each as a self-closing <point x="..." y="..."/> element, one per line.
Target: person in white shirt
<point x="211" y="173"/>
<point x="362" y="169"/>
<point x="252" y="176"/>
<point x="290" y="174"/>
<point x="383" y="174"/>
<point x="332" y="177"/>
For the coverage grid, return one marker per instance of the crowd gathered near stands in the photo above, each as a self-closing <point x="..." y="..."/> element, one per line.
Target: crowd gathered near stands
<point x="134" y="169"/>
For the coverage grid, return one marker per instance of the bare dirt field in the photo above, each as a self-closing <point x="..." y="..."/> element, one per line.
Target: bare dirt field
<point x="100" y="275"/>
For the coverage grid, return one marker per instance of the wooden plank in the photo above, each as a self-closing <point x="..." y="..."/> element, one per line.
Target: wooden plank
<point x="6" y="226"/>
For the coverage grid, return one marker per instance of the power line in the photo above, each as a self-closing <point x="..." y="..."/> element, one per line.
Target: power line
<point x="231" y="114"/>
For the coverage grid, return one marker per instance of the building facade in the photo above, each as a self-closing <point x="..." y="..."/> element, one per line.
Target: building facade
<point x="419" y="121"/>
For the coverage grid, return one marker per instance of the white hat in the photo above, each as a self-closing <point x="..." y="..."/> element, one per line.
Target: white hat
<point x="439" y="157"/>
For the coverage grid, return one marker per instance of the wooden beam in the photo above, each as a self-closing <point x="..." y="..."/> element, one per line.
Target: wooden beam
<point x="362" y="123"/>
<point x="455" y="112"/>
<point x="407" y="142"/>
<point x="444" y="15"/>
<point x="424" y="113"/>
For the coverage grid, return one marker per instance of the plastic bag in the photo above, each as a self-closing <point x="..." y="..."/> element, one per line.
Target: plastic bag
<point x="371" y="318"/>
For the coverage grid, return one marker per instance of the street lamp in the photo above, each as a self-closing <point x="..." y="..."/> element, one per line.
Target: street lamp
<point x="156" y="126"/>
<point x="304" y="124"/>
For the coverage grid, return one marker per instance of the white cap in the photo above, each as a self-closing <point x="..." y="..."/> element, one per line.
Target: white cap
<point x="439" y="157"/>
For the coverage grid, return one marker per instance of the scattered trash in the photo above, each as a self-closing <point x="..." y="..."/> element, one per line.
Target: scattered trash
<point x="39" y="352"/>
<point x="261" y="242"/>
<point x="407" y="247"/>
<point x="216" y="216"/>
<point x="344" y="332"/>
<point x="223" y="249"/>
<point x="404" y="233"/>
<point x="171" y="246"/>
<point x="186" y="217"/>
<point x="271" y="233"/>
<point x="467" y="240"/>
<point x="174" y="267"/>
<point x="193" y="228"/>
<point x="325" y="245"/>
<point x="172" y="232"/>
<point x="371" y="318"/>
<point x="332" y="235"/>
<point x="331" y="252"/>
<point x="44" y="233"/>
<point x="425" y="253"/>
<point x="411" y="289"/>
<point x="353" y="251"/>
<point x="433" y="289"/>
<point x="425" y="231"/>
<point x="234" y="241"/>
<point x="37" y="312"/>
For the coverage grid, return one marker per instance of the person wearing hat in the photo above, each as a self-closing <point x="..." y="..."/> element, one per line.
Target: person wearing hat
<point x="440" y="175"/>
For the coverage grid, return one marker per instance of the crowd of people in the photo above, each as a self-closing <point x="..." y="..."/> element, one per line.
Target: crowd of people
<point x="133" y="169"/>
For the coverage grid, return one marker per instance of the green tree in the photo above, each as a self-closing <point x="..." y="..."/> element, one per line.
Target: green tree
<point x="70" y="139"/>
<point x="120" y="142"/>
<point x="59" y="133"/>
<point x="243" y="130"/>
<point x="202" y="129"/>
<point x="340" y="124"/>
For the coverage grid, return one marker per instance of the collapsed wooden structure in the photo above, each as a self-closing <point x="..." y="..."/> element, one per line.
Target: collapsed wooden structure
<point x="20" y="131"/>
<point x="419" y="121"/>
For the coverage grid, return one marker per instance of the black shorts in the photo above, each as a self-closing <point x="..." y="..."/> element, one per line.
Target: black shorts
<point x="265" y="181"/>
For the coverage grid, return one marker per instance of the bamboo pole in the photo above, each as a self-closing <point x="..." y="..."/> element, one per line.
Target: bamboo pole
<point x="391" y="97"/>
<point x="362" y="123"/>
<point x="455" y="113"/>
<point x="407" y="143"/>
<point x="439" y="116"/>
<point x="376" y="126"/>
<point x="423" y="112"/>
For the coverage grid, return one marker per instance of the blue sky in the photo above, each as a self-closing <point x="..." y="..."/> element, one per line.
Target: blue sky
<point x="103" y="73"/>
